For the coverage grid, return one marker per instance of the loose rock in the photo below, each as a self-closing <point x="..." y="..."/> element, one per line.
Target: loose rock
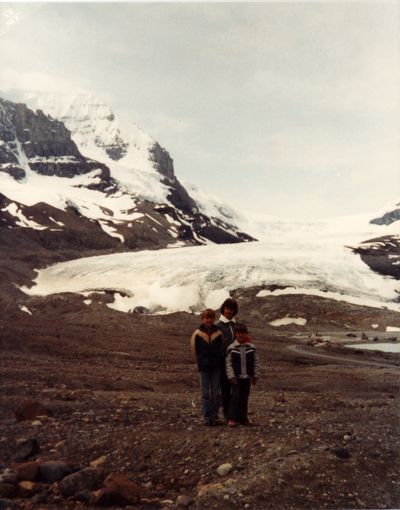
<point x="224" y="469"/>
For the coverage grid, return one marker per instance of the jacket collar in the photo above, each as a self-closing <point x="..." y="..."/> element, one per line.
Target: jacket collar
<point x="222" y="318"/>
<point x="208" y="331"/>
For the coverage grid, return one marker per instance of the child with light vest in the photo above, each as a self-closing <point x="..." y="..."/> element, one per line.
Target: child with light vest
<point x="206" y="346"/>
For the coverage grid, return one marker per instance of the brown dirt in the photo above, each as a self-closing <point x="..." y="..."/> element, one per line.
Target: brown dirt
<point x="124" y="386"/>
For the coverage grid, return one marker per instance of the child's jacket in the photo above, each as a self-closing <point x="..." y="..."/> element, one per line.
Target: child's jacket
<point x="227" y="328"/>
<point x="241" y="360"/>
<point x="206" y="346"/>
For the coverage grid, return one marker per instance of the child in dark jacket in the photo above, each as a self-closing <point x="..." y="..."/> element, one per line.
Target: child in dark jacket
<point x="206" y="346"/>
<point x="241" y="369"/>
<point x="227" y="325"/>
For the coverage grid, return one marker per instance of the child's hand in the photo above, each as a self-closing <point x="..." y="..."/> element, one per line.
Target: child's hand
<point x="234" y="380"/>
<point x="254" y="381"/>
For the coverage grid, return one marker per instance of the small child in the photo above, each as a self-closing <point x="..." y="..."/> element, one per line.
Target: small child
<point x="241" y="369"/>
<point x="206" y="346"/>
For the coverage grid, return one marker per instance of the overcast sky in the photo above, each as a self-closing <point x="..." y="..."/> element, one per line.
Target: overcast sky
<point x="290" y="109"/>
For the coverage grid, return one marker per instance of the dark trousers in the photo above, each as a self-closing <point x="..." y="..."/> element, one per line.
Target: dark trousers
<point x="239" y="400"/>
<point x="225" y="393"/>
<point x="210" y="393"/>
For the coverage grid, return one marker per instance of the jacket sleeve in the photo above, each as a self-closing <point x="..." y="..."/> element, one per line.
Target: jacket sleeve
<point x="256" y="363"/>
<point x="193" y="346"/>
<point x="230" y="374"/>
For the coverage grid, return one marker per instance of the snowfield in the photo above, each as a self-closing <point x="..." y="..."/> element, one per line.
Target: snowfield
<point x="190" y="278"/>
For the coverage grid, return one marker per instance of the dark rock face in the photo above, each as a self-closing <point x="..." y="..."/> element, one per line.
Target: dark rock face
<point x="42" y="136"/>
<point x="178" y="196"/>
<point x="381" y="255"/>
<point x="15" y="171"/>
<point x="116" y="150"/>
<point x="389" y="217"/>
<point x="218" y="231"/>
<point x="7" y="155"/>
<point x="44" y="142"/>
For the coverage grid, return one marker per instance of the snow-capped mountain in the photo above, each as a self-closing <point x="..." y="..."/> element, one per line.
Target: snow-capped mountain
<point x="78" y="158"/>
<point x="77" y="182"/>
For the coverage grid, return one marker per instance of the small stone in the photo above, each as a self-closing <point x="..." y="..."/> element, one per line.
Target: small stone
<point x="87" y="479"/>
<point x="99" y="462"/>
<point x="118" y="491"/>
<point x="53" y="471"/>
<point x="27" y="471"/>
<point x="29" y="409"/>
<point x="211" y="488"/>
<point x="342" y="453"/>
<point x="27" y="486"/>
<point x="27" y="448"/>
<point x="9" y="476"/>
<point x="39" y="499"/>
<point x="224" y="469"/>
<point x="184" y="500"/>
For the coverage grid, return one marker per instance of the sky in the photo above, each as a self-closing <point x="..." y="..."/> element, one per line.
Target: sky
<point x="285" y="109"/>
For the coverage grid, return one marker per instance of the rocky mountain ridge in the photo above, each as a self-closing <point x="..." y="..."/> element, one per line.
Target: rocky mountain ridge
<point x="34" y="143"/>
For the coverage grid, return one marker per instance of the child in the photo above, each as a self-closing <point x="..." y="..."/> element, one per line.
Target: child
<point x="227" y="325"/>
<point x="206" y="346"/>
<point x="241" y="370"/>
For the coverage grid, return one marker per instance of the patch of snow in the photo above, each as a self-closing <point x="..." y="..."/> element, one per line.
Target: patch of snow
<point x="22" y="220"/>
<point x="299" y="321"/>
<point x="25" y="309"/>
<point x="61" y="192"/>
<point x="370" y="301"/>
<point x="110" y="230"/>
<point x="59" y="223"/>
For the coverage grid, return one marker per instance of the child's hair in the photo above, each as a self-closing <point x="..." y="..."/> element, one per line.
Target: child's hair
<point x="230" y="303"/>
<point x="241" y="328"/>
<point x="208" y="313"/>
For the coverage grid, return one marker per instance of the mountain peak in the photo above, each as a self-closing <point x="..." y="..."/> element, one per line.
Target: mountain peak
<point x="69" y="150"/>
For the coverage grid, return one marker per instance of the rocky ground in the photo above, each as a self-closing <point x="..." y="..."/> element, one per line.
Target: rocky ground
<point x="117" y="418"/>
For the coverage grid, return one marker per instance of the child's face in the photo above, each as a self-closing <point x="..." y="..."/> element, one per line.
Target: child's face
<point x="241" y="337"/>
<point x="207" y="321"/>
<point x="228" y="313"/>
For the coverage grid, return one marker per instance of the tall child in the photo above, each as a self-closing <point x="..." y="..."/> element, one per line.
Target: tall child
<point x="241" y="370"/>
<point x="206" y="346"/>
<point x="227" y="324"/>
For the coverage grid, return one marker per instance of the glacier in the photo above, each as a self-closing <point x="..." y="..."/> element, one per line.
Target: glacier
<point x="191" y="278"/>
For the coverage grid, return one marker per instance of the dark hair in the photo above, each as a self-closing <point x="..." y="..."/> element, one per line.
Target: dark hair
<point x="230" y="303"/>
<point x="241" y="328"/>
<point x="208" y="312"/>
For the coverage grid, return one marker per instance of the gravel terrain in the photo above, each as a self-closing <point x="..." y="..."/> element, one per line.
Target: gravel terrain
<point x="119" y="395"/>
